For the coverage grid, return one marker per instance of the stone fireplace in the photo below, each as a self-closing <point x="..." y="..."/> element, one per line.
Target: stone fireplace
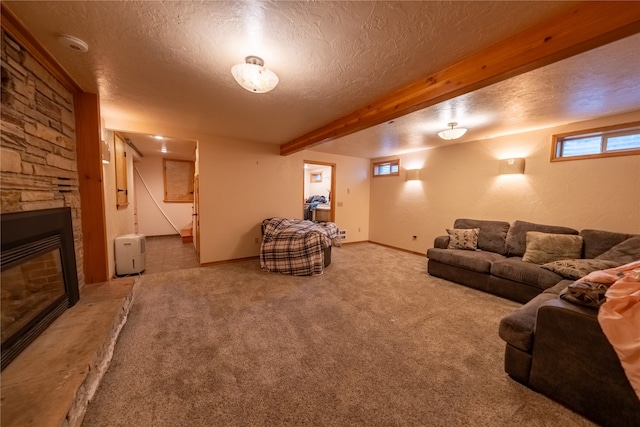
<point x="39" y="277"/>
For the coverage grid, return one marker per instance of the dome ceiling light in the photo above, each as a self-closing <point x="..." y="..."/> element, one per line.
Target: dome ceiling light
<point x="253" y="76"/>
<point x="452" y="133"/>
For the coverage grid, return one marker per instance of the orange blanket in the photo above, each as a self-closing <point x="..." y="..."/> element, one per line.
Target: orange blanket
<point x="619" y="316"/>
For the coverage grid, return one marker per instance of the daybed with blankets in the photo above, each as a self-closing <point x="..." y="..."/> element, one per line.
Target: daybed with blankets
<point x="297" y="247"/>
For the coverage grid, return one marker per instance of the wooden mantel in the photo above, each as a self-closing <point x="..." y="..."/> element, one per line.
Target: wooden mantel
<point x="579" y="29"/>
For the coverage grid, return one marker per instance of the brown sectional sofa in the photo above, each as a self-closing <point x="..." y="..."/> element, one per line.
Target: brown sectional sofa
<point x="552" y="346"/>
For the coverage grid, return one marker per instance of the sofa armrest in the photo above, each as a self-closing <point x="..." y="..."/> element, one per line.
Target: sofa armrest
<point x="574" y="363"/>
<point x="441" y="242"/>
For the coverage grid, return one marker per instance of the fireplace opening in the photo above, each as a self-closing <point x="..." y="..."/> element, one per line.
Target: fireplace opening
<point x="39" y="276"/>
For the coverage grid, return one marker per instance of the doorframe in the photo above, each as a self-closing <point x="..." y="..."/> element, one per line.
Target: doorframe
<point x="195" y="216"/>
<point x="332" y="217"/>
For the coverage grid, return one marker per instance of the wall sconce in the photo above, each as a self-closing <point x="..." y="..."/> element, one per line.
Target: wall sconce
<point x="106" y="152"/>
<point x="413" y="175"/>
<point x="510" y="166"/>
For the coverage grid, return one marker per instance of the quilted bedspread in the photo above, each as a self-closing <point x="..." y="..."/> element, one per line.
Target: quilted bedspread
<point x="296" y="246"/>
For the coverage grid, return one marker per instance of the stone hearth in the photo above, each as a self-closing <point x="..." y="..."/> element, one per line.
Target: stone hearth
<point x="51" y="382"/>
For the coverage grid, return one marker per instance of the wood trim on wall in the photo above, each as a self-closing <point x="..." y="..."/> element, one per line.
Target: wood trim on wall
<point x="12" y="25"/>
<point x="579" y="29"/>
<point x="90" y="170"/>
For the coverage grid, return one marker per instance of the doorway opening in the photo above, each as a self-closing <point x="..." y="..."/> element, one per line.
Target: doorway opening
<point x="319" y="188"/>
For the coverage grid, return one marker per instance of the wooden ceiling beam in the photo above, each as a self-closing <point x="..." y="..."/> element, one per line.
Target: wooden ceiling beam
<point x="579" y="29"/>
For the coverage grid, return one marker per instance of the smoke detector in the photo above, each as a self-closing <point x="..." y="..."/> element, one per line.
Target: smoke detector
<point x="72" y="43"/>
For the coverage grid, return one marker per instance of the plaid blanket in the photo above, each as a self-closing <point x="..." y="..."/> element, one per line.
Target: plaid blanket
<point x="296" y="246"/>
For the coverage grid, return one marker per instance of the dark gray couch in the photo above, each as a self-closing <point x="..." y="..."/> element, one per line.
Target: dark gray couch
<point x="552" y="346"/>
<point x="558" y="349"/>
<point x="497" y="266"/>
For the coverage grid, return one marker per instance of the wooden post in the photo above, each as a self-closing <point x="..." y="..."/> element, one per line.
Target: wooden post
<point x="94" y="230"/>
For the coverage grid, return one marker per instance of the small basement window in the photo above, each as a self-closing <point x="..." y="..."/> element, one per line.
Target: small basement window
<point x="618" y="140"/>
<point x="315" y="176"/>
<point x="386" y="168"/>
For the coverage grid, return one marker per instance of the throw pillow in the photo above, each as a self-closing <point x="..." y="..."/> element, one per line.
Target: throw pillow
<point x="625" y="252"/>
<point x="463" y="238"/>
<point x="590" y="294"/>
<point x="542" y="248"/>
<point x="493" y="234"/>
<point x="577" y="268"/>
<point x="517" y="236"/>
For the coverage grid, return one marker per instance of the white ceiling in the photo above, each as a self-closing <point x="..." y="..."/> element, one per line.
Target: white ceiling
<point x="160" y="62"/>
<point x="151" y="145"/>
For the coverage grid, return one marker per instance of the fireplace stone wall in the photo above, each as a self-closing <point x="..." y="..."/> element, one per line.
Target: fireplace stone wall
<point x="38" y="143"/>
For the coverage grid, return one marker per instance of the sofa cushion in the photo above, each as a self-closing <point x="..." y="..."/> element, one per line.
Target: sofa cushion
<point x="517" y="327"/>
<point x="517" y="236"/>
<point x="546" y="247"/>
<point x="466" y="238"/>
<point x="479" y="261"/>
<point x="596" y="242"/>
<point x="625" y="252"/>
<point x="493" y="234"/>
<point x="577" y="268"/>
<point x="441" y="242"/>
<point x="524" y="272"/>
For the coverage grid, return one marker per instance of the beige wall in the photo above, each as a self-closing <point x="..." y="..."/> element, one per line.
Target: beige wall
<point x="317" y="188"/>
<point x="149" y="183"/>
<point x="462" y="181"/>
<point x="243" y="183"/>
<point x="352" y="192"/>
<point x="119" y="221"/>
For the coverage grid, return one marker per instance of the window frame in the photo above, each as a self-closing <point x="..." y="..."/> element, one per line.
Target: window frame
<point x="391" y="163"/>
<point x="604" y="133"/>
<point x="176" y="191"/>
<point x="315" y="177"/>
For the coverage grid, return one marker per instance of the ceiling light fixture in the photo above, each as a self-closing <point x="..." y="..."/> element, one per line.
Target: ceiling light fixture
<point x="452" y="133"/>
<point x="159" y="137"/>
<point x="72" y="43"/>
<point x="253" y="76"/>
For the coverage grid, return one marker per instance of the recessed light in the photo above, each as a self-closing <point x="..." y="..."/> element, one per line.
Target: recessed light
<point x="163" y="149"/>
<point x="159" y="137"/>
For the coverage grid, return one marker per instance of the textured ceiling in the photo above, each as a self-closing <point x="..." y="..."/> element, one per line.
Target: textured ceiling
<point x="602" y="82"/>
<point x="149" y="145"/>
<point x="168" y="62"/>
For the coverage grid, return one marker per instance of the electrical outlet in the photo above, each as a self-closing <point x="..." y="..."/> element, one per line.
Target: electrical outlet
<point x="257" y="240"/>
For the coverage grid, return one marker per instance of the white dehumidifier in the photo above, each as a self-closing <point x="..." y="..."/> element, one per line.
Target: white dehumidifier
<point x="130" y="252"/>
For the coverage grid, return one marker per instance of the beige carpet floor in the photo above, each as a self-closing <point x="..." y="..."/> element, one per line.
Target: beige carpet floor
<point x="374" y="341"/>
